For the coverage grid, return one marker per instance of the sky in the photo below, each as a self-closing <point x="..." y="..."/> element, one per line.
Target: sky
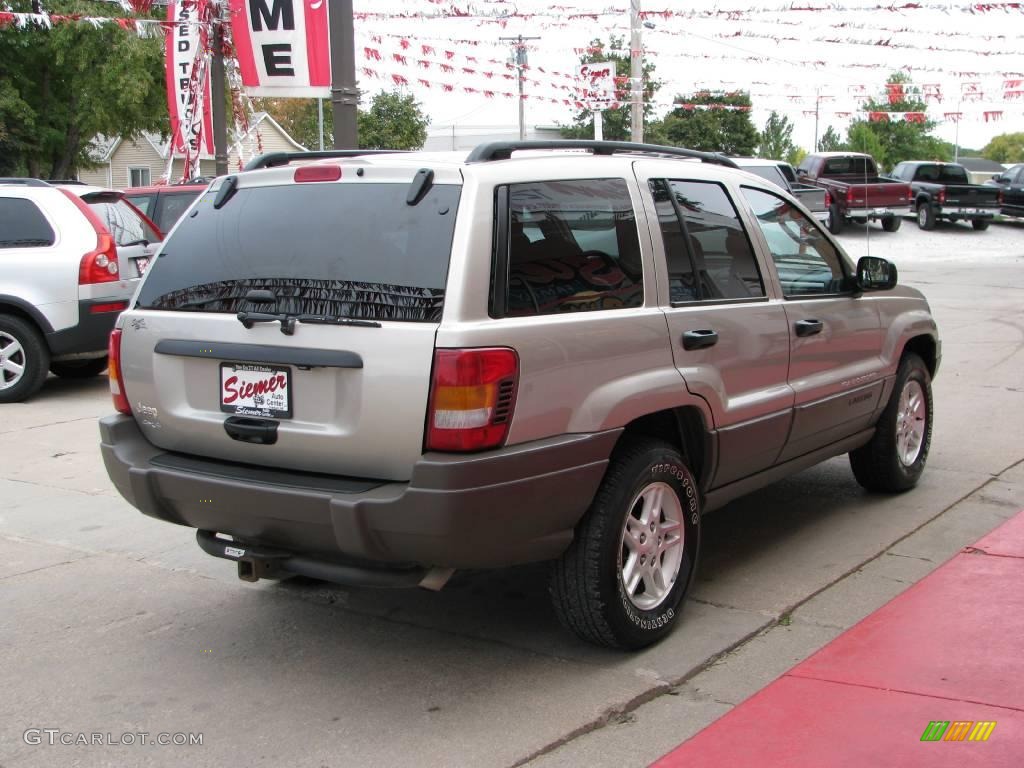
<point x="789" y="60"/>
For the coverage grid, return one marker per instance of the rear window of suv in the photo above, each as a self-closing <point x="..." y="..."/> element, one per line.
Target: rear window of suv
<point x="337" y="250"/>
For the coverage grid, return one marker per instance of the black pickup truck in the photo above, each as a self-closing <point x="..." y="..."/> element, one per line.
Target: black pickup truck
<point x="944" y="191"/>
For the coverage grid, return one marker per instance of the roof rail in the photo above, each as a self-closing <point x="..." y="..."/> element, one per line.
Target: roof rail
<point x="26" y="182"/>
<point x="274" y="159"/>
<point x="502" y="150"/>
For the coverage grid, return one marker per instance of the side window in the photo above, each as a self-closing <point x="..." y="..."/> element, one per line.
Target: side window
<point x="573" y="247"/>
<point x="171" y="207"/>
<point x="708" y="254"/>
<point x="122" y="221"/>
<point x="22" y="224"/>
<point x="807" y="263"/>
<point x="143" y="202"/>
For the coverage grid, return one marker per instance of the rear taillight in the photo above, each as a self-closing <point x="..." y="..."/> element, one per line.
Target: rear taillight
<point x="472" y="396"/>
<point x="828" y="199"/>
<point x="100" y="264"/>
<point x="114" y="373"/>
<point x="999" y="197"/>
<point x="941" y="197"/>
<point x="849" y="195"/>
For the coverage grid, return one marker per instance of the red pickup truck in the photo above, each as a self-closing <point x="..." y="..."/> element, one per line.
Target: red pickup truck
<point x="858" y="192"/>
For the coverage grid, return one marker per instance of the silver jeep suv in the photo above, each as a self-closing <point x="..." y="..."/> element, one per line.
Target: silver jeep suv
<point x="379" y="368"/>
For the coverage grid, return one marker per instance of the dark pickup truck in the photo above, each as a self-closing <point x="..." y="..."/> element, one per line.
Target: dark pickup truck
<point x="858" y="193"/>
<point x="944" y="191"/>
<point x="1011" y="183"/>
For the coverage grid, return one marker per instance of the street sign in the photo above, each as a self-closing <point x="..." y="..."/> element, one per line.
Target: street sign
<point x="596" y="83"/>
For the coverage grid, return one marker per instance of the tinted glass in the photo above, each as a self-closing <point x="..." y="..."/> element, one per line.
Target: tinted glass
<point x="170" y="206"/>
<point x="787" y="171"/>
<point x="806" y="261"/>
<point x="143" y="202"/>
<point x="22" y="224"/>
<point x="840" y="166"/>
<point x="709" y="256"/>
<point x="121" y="220"/>
<point x="342" y="250"/>
<point x="573" y="246"/>
<point x="768" y="173"/>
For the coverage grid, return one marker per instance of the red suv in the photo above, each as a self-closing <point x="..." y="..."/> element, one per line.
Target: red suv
<point x="164" y="204"/>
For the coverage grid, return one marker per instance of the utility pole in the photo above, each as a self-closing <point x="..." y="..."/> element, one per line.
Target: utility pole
<point x="220" y="123"/>
<point x="956" y="138"/>
<point x="344" y="94"/>
<point x="521" y="62"/>
<point x="817" y="104"/>
<point x="636" y="73"/>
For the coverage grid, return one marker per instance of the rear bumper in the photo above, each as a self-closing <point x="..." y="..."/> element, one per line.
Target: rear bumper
<point x="879" y="212"/>
<point x="515" y="505"/>
<point x="966" y="212"/>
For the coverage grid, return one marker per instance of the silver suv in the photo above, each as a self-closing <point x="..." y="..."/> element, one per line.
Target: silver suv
<point x="70" y="260"/>
<point x="379" y="368"/>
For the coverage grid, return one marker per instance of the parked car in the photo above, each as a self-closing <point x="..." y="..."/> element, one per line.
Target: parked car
<point x="1011" y="182"/>
<point x="858" y="193"/>
<point x="944" y="191"/>
<point x="379" y="368"/>
<point x="70" y="259"/>
<point x="165" y="204"/>
<point x="781" y="174"/>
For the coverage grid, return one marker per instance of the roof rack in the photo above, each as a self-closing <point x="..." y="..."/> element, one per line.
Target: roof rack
<point x="26" y="182"/>
<point x="274" y="159"/>
<point x="502" y="150"/>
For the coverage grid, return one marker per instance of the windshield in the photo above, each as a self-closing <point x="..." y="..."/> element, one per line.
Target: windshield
<point x="338" y="250"/>
<point x="942" y="174"/>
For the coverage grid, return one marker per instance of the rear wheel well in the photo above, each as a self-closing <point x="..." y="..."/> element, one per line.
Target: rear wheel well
<point x="923" y="347"/>
<point x="15" y="311"/>
<point x="683" y="428"/>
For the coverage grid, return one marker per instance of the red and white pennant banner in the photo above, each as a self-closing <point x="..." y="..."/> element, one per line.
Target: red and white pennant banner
<point x="188" y="82"/>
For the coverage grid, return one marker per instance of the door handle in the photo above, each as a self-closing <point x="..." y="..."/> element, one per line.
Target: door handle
<point x="699" y="339"/>
<point x="808" y="327"/>
<point x="247" y="430"/>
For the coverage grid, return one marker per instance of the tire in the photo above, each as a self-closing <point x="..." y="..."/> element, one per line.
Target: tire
<point x="891" y="223"/>
<point x="588" y="588"/>
<point x="894" y="459"/>
<point x="980" y="224"/>
<point x="79" y="369"/>
<point x="925" y="216"/>
<point x="835" y="219"/>
<point x="24" y="359"/>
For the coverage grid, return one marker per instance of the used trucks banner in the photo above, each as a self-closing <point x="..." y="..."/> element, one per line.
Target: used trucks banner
<point x="188" y="83"/>
<point x="283" y="47"/>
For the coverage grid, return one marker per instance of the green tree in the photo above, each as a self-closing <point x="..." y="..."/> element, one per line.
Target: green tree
<point x="617" y="123"/>
<point x="61" y="86"/>
<point x="1005" y="148"/>
<point x="715" y="129"/>
<point x="830" y="141"/>
<point x="900" y="139"/>
<point x="393" y="121"/>
<point x="776" y="138"/>
<point x="860" y="138"/>
<point x="796" y="156"/>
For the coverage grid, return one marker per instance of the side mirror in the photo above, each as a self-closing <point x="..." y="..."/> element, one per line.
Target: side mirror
<point x="875" y="274"/>
<point x="997" y="177"/>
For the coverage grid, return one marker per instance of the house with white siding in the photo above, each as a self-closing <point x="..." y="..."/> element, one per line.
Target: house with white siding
<point x="124" y="163"/>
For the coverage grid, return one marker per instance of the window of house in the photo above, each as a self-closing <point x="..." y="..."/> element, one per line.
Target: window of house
<point x="138" y="177"/>
<point x="709" y="256"/>
<point x="22" y="224"/>
<point x="573" y="247"/>
<point x="807" y="263"/>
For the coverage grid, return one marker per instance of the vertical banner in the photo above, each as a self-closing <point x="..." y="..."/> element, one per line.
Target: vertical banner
<point x="188" y="82"/>
<point x="283" y="47"/>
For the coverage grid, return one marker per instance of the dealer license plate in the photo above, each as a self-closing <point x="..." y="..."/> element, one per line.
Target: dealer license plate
<point x="247" y="389"/>
<point x="142" y="264"/>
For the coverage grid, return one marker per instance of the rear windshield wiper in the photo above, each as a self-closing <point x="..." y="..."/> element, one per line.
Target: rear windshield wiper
<point x="249" y="319"/>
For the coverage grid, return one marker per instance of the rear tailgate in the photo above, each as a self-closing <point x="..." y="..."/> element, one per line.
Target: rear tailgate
<point x="892" y="194"/>
<point x="972" y="196"/>
<point x="356" y="275"/>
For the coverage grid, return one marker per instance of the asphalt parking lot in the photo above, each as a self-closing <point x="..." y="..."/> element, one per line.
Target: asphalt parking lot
<point x="116" y="624"/>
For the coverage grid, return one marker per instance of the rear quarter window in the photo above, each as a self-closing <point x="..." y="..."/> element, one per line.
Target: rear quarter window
<point x="22" y="224"/>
